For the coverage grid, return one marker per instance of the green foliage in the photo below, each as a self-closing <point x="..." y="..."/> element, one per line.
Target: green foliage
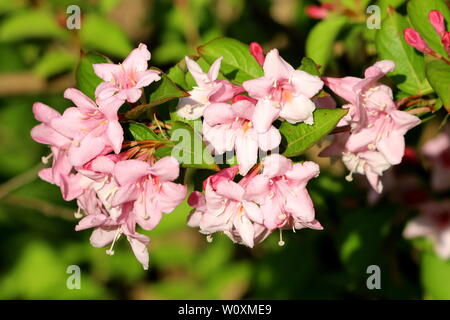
<point x="140" y="132"/>
<point x="299" y="137"/>
<point x="435" y="273"/>
<point x="438" y="74"/>
<point x="409" y="74"/>
<point x="320" y="40"/>
<point x="238" y="64"/>
<point x="101" y="34"/>
<point x="87" y="80"/>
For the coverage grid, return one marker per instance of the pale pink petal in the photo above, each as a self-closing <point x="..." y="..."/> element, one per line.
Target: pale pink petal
<point x="244" y="109"/>
<point x="90" y="147"/>
<point x="196" y="71"/>
<point x="303" y="172"/>
<point x="246" y="150"/>
<point x="137" y="59"/>
<point x="106" y="71"/>
<point x="166" y="169"/>
<point x="145" y="78"/>
<point x="276" y="165"/>
<point x="306" y="84"/>
<point x="101" y="237"/>
<point x="140" y="251"/>
<point x="265" y="113"/>
<point x="343" y="87"/>
<point x="275" y="67"/>
<point x="83" y="102"/>
<point x="129" y="171"/>
<point x="392" y="147"/>
<point x="258" y="88"/>
<point x="230" y="190"/>
<point x="218" y="113"/>
<point x="115" y="135"/>
<point x="253" y="212"/>
<point x="214" y="69"/>
<point x="245" y="229"/>
<point x="44" y="113"/>
<point x="270" y="139"/>
<point x="299" y="109"/>
<point x="418" y="227"/>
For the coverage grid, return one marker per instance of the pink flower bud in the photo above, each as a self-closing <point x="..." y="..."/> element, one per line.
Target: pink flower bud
<point x="257" y="52"/>
<point x="446" y="41"/>
<point x="317" y="12"/>
<point x="413" y="38"/>
<point x="437" y="20"/>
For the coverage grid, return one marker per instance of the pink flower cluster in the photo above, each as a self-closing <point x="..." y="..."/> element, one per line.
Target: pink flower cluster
<point x="375" y="141"/>
<point x="114" y="193"/>
<point x="240" y="118"/>
<point x="437" y="150"/>
<point x="261" y="202"/>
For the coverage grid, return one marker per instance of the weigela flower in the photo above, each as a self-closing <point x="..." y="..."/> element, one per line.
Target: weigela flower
<point x="376" y="139"/>
<point x="150" y="188"/>
<point x="223" y="208"/>
<point x="438" y="151"/>
<point x="433" y="223"/>
<point x="281" y="192"/>
<point x="209" y="90"/>
<point x="282" y="92"/>
<point x="248" y="211"/>
<point x="124" y="82"/>
<point x="229" y="127"/>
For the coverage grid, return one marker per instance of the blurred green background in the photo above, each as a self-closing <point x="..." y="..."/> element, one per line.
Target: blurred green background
<point x="38" y="56"/>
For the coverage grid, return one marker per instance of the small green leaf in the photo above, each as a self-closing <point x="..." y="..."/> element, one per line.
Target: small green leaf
<point x="140" y="132"/>
<point x="98" y="33"/>
<point x="238" y="64"/>
<point x="418" y="11"/>
<point x="161" y="91"/>
<point x="438" y="74"/>
<point x="319" y="43"/>
<point x="308" y="65"/>
<point x="435" y="275"/>
<point x="188" y="147"/>
<point x="299" y="137"/>
<point x="30" y="24"/>
<point x="86" y="78"/>
<point x="54" y="62"/>
<point x="409" y="72"/>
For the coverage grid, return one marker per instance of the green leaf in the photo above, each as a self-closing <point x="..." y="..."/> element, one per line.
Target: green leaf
<point x="418" y="11"/>
<point x="31" y="24"/>
<point x="98" y="33"/>
<point x="438" y="74"/>
<point x="409" y="72"/>
<point x="161" y="91"/>
<point x="299" y="137"/>
<point x="319" y="43"/>
<point x="308" y="65"/>
<point x="140" y="132"/>
<point x="238" y="64"/>
<point x="435" y="275"/>
<point x="188" y="147"/>
<point x="86" y="78"/>
<point x="54" y="62"/>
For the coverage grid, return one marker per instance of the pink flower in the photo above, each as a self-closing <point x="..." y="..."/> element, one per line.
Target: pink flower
<point x="223" y="208"/>
<point x="109" y="220"/>
<point x="446" y="41"/>
<point x="92" y="129"/>
<point x="149" y="188"/>
<point x="376" y="138"/>
<point x="208" y="90"/>
<point x="230" y="127"/>
<point x="124" y="82"/>
<point x="438" y="151"/>
<point x="433" y="223"/>
<point x="365" y="93"/>
<point x="281" y="192"/>
<point x="282" y="92"/>
<point x="413" y="38"/>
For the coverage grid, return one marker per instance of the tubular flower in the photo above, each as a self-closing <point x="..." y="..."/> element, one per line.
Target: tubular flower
<point x="227" y="127"/>
<point x="208" y="90"/>
<point x="282" y="92"/>
<point x="124" y="82"/>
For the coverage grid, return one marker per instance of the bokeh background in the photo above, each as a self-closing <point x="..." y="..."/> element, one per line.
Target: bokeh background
<point x="38" y="56"/>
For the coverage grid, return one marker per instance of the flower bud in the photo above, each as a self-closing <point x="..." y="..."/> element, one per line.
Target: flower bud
<point x="413" y="38"/>
<point x="257" y="52"/>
